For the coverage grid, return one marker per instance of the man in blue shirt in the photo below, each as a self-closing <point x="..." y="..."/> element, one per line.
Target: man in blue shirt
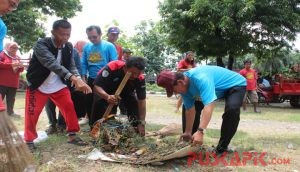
<point x="209" y="83"/>
<point x="6" y="6"/>
<point x="96" y="54"/>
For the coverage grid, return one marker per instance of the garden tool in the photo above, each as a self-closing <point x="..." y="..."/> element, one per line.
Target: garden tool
<point x="95" y="133"/>
<point x="14" y="154"/>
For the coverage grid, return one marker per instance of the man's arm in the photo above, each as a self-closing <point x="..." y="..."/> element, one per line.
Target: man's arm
<point x="142" y="109"/>
<point x="47" y="59"/>
<point x="84" y="65"/>
<point x="190" y="117"/>
<point x="206" y="115"/>
<point x="111" y="99"/>
<point x="197" y="137"/>
<point x="142" y="116"/>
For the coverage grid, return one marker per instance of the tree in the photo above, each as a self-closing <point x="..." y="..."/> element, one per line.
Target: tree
<point x="25" y="25"/>
<point x="230" y="28"/>
<point x="151" y="44"/>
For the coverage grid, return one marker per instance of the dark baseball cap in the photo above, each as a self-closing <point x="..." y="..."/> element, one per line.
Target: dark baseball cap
<point x="113" y="30"/>
<point x="126" y="50"/>
<point x="166" y="79"/>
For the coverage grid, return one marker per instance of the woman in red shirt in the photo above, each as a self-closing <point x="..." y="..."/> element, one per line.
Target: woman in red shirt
<point x="10" y="69"/>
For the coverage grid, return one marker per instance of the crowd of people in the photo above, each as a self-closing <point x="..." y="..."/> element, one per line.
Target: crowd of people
<point x="81" y="81"/>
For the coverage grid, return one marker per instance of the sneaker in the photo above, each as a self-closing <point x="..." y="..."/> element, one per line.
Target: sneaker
<point x="51" y="130"/>
<point x="31" y="147"/>
<point x="83" y="121"/>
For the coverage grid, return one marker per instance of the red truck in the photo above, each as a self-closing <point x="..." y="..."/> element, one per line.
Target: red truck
<point x="283" y="89"/>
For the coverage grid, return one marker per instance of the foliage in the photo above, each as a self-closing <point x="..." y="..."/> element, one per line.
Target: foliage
<point x="279" y="62"/>
<point x="151" y="44"/>
<point x="154" y="88"/>
<point x="25" y="25"/>
<point x="230" y="28"/>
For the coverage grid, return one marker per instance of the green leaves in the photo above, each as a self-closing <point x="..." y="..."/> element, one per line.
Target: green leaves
<point x="231" y="27"/>
<point x="25" y="24"/>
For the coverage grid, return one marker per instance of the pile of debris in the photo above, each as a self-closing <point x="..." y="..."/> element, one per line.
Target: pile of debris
<point x="120" y="142"/>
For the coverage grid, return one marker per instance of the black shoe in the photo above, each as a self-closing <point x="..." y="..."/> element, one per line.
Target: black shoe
<point x="51" y="130"/>
<point x="220" y="151"/>
<point x="31" y="147"/>
<point x="61" y="130"/>
<point x="14" y="115"/>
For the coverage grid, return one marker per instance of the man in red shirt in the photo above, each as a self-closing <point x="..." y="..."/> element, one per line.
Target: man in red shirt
<point x="10" y="69"/>
<point x="112" y="36"/>
<point x="251" y="77"/>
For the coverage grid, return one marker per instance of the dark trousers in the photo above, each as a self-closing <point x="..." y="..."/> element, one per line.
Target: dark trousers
<point x="89" y="98"/>
<point x="100" y="105"/>
<point x="10" y="94"/>
<point x="231" y="117"/>
<point x="198" y="107"/>
<point x="51" y="114"/>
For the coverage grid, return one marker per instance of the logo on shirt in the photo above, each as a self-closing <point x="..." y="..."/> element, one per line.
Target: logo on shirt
<point x="95" y="57"/>
<point x="105" y="73"/>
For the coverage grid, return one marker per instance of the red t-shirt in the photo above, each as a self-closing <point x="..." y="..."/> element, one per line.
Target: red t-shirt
<point x="8" y="77"/>
<point x="119" y="51"/>
<point x="184" y="64"/>
<point x="251" y="77"/>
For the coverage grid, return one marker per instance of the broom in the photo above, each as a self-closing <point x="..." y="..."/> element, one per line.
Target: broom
<point x="14" y="153"/>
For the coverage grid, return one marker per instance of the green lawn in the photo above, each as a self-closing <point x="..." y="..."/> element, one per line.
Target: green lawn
<point x="55" y="154"/>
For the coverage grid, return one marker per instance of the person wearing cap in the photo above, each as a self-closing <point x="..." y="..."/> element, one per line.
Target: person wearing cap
<point x="6" y="6"/>
<point x="96" y="54"/>
<point x="209" y="83"/>
<point x="10" y="69"/>
<point x="126" y="54"/>
<point x="133" y="94"/>
<point x="112" y="36"/>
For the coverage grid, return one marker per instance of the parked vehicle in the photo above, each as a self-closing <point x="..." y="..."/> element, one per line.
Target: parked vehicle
<point x="283" y="89"/>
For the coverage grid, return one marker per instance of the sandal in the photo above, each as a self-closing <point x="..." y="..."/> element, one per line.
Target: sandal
<point x="78" y="142"/>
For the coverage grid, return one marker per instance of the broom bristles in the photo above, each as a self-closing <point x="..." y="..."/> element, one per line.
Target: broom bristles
<point x="14" y="155"/>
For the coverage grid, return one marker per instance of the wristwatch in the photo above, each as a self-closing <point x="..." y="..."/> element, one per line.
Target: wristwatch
<point x="201" y="130"/>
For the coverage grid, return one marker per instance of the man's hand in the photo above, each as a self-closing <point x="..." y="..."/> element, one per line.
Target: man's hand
<point x="141" y="129"/>
<point x="197" y="138"/>
<point x="186" y="137"/>
<point x="112" y="99"/>
<point x="80" y="85"/>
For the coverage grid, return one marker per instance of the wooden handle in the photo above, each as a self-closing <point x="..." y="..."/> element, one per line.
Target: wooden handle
<point x="117" y="93"/>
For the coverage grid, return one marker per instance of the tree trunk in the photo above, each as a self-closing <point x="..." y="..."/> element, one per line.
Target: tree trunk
<point x="220" y="62"/>
<point x="230" y="61"/>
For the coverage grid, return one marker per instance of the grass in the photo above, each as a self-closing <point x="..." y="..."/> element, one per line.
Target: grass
<point x="56" y="155"/>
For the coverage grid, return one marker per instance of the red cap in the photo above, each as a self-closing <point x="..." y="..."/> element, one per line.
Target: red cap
<point x="166" y="79"/>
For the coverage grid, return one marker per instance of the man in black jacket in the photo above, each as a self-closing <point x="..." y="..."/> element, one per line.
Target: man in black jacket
<point x="49" y="69"/>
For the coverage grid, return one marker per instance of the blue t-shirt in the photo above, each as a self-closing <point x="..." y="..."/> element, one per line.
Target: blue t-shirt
<point x="96" y="56"/>
<point x="3" y="31"/>
<point x="210" y="83"/>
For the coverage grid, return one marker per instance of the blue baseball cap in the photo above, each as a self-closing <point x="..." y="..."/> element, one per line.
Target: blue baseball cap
<point x="114" y="30"/>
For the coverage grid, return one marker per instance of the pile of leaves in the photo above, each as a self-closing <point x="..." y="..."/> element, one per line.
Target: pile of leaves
<point x="121" y="138"/>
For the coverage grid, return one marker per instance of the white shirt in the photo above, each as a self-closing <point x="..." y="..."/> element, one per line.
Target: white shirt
<point x="53" y="82"/>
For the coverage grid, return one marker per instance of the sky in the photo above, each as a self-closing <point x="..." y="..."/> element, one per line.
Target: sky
<point x="128" y="13"/>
